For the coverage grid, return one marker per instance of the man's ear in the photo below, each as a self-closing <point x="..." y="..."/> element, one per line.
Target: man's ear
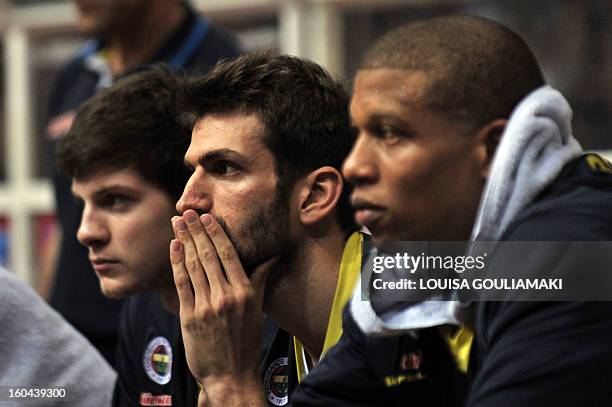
<point x="488" y="138"/>
<point x="320" y="193"/>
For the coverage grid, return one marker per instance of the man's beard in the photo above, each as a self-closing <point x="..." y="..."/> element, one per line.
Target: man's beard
<point x="264" y="233"/>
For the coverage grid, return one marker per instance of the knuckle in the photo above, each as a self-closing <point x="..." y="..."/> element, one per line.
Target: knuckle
<point x="222" y="303"/>
<point x="226" y="254"/>
<point x="193" y="265"/>
<point x="175" y="259"/>
<point x="181" y="280"/>
<point x="208" y="256"/>
<point x="212" y="230"/>
<point x="203" y="313"/>
<point x="195" y="230"/>
<point x="245" y="295"/>
<point x="189" y="322"/>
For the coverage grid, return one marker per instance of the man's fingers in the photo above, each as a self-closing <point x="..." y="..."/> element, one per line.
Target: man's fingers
<point x="226" y="251"/>
<point x="207" y="253"/>
<point x="181" y="277"/>
<point x="191" y="260"/>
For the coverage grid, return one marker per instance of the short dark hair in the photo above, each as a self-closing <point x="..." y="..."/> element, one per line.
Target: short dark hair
<point x="133" y="124"/>
<point x="475" y="67"/>
<point x="303" y="109"/>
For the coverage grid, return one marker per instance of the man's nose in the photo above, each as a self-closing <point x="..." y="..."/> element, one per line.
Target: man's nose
<point x="92" y="231"/>
<point x="360" y="165"/>
<point x="195" y="195"/>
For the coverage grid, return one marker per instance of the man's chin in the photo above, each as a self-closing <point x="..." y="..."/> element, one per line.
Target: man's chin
<point x="116" y="287"/>
<point x="391" y="235"/>
<point x="115" y="291"/>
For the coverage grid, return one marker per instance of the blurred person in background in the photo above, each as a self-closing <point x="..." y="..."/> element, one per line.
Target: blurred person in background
<point x="40" y="350"/>
<point x="128" y="35"/>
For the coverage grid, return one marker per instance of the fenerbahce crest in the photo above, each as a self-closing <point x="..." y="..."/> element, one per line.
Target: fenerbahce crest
<point x="158" y="360"/>
<point x="276" y="382"/>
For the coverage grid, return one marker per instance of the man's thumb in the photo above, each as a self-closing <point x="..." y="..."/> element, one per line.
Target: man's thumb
<point x="260" y="274"/>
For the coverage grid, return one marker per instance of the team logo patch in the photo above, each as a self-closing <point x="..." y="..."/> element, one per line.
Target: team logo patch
<point x="409" y="365"/>
<point x="411" y="361"/>
<point x="276" y="382"/>
<point x="158" y="360"/>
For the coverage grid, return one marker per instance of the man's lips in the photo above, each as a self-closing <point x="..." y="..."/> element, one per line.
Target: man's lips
<point x="367" y="213"/>
<point x="368" y="217"/>
<point x="101" y="265"/>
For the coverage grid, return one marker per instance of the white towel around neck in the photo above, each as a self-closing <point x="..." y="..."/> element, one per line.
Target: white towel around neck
<point x="535" y="146"/>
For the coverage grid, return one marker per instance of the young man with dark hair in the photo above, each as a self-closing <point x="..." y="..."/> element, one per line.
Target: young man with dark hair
<point x="126" y="36"/>
<point x="265" y="225"/>
<point x="459" y="140"/>
<point x="124" y="153"/>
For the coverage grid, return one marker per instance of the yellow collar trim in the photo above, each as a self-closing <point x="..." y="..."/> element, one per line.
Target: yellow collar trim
<point x="460" y="344"/>
<point x="350" y="268"/>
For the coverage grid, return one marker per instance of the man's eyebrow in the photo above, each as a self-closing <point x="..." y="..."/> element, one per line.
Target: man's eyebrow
<point x="384" y="116"/>
<point x="222" y="153"/>
<point x="391" y="119"/>
<point x="112" y="189"/>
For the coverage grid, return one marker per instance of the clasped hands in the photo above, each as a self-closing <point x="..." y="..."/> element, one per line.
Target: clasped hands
<point x="221" y="309"/>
